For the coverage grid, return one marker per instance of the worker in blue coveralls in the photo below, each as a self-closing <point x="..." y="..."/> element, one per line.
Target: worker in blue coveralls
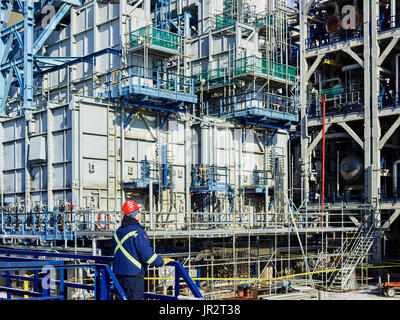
<point x="133" y="253"/>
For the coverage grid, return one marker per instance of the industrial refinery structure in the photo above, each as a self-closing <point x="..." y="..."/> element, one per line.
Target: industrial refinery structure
<point x="260" y="137"/>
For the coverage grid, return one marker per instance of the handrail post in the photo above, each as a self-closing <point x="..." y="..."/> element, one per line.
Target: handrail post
<point x="177" y="286"/>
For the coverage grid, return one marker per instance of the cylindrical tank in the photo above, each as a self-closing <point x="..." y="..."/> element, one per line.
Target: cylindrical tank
<point x="351" y="168"/>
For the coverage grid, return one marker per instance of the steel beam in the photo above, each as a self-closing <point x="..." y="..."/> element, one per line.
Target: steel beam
<point x="351" y="132"/>
<point x="391" y="219"/>
<point x="388" y="49"/>
<point x="314" y="143"/>
<point x="355" y="56"/>
<point x="5" y="10"/>
<point x="389" y="133"/>
<point x="314" y="66"/>
<point x="40" y="41"/>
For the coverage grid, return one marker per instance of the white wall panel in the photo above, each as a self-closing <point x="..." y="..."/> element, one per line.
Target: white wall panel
<point x="94" y="119"/>
<point x="97" y="178"/>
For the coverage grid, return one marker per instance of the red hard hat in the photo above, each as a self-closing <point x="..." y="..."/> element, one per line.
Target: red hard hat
<point x="129" y="206"/>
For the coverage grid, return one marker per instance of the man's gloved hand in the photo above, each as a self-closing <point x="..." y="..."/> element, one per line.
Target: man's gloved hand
<point x="167" y="260"/>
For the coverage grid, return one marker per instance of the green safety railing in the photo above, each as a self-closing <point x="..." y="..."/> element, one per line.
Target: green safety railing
<point x="154" y="36"/>
<point x="254" y="64"/>
<point x="332" y="92"/>
<point x="222" y="20"/>
<point x="225" y="19"/>
<point x="212" y="77"/>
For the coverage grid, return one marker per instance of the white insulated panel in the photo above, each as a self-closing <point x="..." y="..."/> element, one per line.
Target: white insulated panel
<point x="94" y="173"/>
<point x="38" y="178"/>
<point x="9" y="182"/>
<point x="94" y="119"/>
<point x="145" y="149"/>
<point x="9" y="156"/>
<point x="37" y="149"/>
<point x="94" y="146"/>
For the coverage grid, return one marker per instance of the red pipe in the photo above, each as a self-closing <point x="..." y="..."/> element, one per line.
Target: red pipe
<point x="323" y="159"/>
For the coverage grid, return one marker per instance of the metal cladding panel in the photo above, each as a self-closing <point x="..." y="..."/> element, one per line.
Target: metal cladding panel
<point x="145" y="149"/>
<point x="9" y="131"/>
<point x="59" y="146"/>
<point x="137" y="127"/>
<point x="94" y="146"/>
<point x="19" y="160"/>
<point x="9" y="156"/>
<point x="179" y="154"/>
<point x="107" y="11"/>
<point x="84" y="46"/>
<point x="59" y="49"/>
<point x="9" y="182"/>
<point x="37" y="148"/>
<point x="94" y="119"/>
<point x="194" y="143"/>
<point x="177" y="140"/>
<point x="130" y="149"/>
<point x="61" y="118"/>
<point x="37" y="197"/>
<point x="60" y="171"/>
<point x="250" y="145"/>
<point x="20" y="128"/>
<point x="94" y="173"/>
<point x="19" y="181"/>
<point x="38" y="178"/>
<point x="222" y="158"/>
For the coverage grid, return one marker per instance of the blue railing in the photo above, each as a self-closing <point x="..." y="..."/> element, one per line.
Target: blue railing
<point x="136" y="80"/>
<point x="389" y="195"/>
<point x="332" y="198"/>
<point x="386" y="101"/>
<point x="15" y="261"/>
<point x="389" y="23"/>
<point x="209" y="178"/>
<point x="180" y="272"/>
<point x="105" y="283"/>
<point x="349" y="102"/>
<point x="270" y="105"/>
<point x="52" y="225"/>
<point x="326" y="39"/>
<point x="49" y="225"/>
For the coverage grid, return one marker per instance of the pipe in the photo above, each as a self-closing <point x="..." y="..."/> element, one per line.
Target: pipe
<point x="323" y="159"/>
<point x="337" y="135"/>
<point x="332" y="79"/>
<point x="397" y="162"/>
<point x="397" y="78"/>
<point x="351" y="67"/>
<point x="393" y="13"/>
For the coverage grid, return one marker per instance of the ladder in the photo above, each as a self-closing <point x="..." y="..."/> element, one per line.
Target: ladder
<point x="353" y="253"/>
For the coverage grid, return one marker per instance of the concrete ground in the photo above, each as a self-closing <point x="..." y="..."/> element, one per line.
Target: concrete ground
<point x="357" y="295"/>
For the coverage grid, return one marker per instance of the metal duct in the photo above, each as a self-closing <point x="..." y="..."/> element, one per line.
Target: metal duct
<point x="351" y="67"/>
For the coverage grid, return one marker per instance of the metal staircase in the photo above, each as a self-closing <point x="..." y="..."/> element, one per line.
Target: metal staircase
<point x="349" y="256"/>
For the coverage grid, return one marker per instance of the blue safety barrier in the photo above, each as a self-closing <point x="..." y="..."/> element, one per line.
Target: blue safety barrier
<point x="37" y="265"/>
<point x="180" y="272"/>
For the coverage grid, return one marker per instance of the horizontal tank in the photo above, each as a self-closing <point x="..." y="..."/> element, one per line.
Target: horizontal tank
<point x="351" y="168"/>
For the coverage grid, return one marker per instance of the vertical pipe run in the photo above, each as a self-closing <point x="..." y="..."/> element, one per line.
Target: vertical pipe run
<point x="397" y="79"/>
<point x="323" y="159"/>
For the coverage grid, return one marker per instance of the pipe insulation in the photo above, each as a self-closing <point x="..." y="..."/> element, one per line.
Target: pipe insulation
<point x="395" y="173"/>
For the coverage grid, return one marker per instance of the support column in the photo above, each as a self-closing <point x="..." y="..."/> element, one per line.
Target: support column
<point x="367" y="103"/>
<point x="375" y="128"/>
<point x="304" y="139"/>
<point x="29" y="23"/>
<point x="50" y="158"/>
